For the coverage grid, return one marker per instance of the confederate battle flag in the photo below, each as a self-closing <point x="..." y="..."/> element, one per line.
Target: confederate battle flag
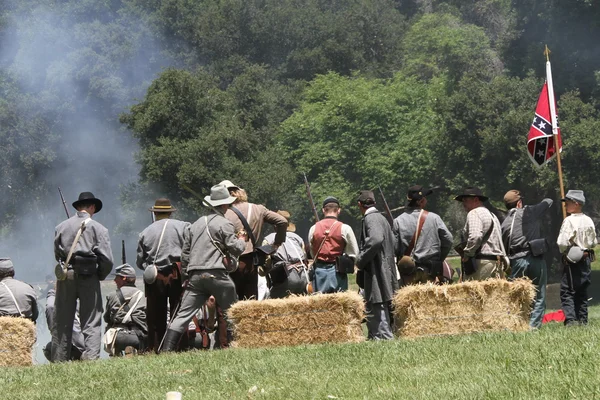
<point x="540" y="141"/>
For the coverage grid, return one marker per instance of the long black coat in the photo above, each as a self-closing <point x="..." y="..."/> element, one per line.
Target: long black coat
<point x="376" y="258"/>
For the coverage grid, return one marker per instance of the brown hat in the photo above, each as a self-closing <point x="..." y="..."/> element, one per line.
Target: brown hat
<point x="162" y="205"/>
<point x="512" y="197"/>
<point x="291" y="226"/>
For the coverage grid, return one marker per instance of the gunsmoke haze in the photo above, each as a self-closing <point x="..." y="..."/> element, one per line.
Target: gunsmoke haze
<point x="82" y="75"/>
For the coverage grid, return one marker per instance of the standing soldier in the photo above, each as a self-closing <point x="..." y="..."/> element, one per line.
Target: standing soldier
<point x="376" y="259"/>
<point x="329" y="239"/>
<point x="422" y="240"/>
<point x="209" y="254"/>
<point x="82" y="248"/>
<point x="17" y="299"/>
<point x="159" y="256"/>
<point x="126" y="314"/>
<point x="250" y="218"/>
<point x="483" y="255"/>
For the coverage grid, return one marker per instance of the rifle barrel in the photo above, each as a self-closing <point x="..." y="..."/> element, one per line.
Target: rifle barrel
<point x="310" y="198"/>
<point x="387" y="208"/>
<point x="64" y="202"/>
<point x="123" y="255"/>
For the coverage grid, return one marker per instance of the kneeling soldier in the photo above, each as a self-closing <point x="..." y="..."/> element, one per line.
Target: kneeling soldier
<point x="125" y="315"/>
<point x="209" y="253"/>
<point x="17" y="299"/>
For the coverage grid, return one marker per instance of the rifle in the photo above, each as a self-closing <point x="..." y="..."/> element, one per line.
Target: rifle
<point x="183" y="185"/>
<point x="123" y="256"/>
<point x="387" y="208"/>
<point x="310" y="198"/>
<point x="64" y="202"/>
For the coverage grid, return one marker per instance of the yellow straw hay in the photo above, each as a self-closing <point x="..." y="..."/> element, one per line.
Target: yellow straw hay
<point x="17" y="337"/>
<point x="476" y="306"/>
<point x="323" y="318"/>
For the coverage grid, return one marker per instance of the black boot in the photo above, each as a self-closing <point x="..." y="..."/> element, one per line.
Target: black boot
<point x="171" y="341"/>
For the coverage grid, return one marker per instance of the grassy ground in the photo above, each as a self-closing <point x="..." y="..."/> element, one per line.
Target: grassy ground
<point x="554" y="362"/>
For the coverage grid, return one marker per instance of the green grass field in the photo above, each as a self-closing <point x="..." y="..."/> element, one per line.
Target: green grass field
<point x="554" y="363"/>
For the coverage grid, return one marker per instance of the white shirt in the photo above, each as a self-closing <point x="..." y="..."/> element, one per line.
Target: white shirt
<point x="580" y="228"/>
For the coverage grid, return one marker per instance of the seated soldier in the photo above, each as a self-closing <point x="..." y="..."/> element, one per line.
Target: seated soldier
<point x="17" y="299"/>
<point x="125" y="316"/>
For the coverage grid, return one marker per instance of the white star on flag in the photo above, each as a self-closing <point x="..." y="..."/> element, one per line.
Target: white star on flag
<point x="542" y="141"/>
<point x="542" y="125"/>
<point x="541" y="153"/>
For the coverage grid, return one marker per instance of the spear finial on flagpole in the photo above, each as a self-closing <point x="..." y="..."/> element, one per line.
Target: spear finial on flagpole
<point x="547" y="53"/>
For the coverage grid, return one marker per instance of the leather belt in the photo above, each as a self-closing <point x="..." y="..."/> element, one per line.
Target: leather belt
<point x="486" y="257"/>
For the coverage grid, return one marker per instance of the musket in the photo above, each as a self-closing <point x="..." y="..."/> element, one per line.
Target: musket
<point x="310" y="198"/>
<point x="123" y="256"/>
<point x="64" y="202"/>
<point x="183" y="185"/>
<point x="387" y="208"/>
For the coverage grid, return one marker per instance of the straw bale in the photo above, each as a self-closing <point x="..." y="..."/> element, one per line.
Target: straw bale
<point x="296" y="320"/>
<point x="475" y="306"/>
<point x="17" y="337"/>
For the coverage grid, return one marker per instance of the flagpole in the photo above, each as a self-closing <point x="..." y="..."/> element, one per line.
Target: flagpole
<point x="555" y="127"/>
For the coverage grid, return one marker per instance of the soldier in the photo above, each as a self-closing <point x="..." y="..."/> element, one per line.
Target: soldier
<point x="330" y="239"/>
<point x="250" y="217"/>
<point x="159" y="255"/>
<point x="126" y="314"/>
<point x="483" y="255"/>
<point x="288" y="269"/>
<point x="209" y="253"/>
<point x="17" y="299"/>
<point x="376" y="259"/>
<point x="82" y="248"/>
<point x="421" y="237"/>
<point x="77" y="341"/>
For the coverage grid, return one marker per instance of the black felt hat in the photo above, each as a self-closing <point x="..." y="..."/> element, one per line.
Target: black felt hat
<point x="471" y="192"/>
<point x="417" y="192"/>
<point x="88" y="197"/>
<point x="366" y="197"/>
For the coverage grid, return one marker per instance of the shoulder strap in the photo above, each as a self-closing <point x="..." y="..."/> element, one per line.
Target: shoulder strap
<point x="512" y="224"/>
<point x="77" y="236"/>
<point x="211" y="238"/>
<point x="13" y="299"/>
<point x="488" y="233"/>
<point x="162" y="234"/>
<point x="245" y="223"/>
<point x="327" y="232"/>
<point x="124" y="303"/>
<point x="127" y="316"/>
<point x="420" y="222"/>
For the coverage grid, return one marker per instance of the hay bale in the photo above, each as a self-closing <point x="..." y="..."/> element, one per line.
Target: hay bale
<point x="323" y="318"/>
<point x="477" y="306"/>
<point x="17" y="337"/>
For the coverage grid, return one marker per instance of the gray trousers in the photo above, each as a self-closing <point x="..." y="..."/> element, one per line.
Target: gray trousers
<point x="201" y="285"/>
<point x="87" y="290"/>
<point x="378" y="321"/>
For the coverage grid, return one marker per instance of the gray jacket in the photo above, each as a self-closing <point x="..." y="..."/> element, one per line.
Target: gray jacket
<point x="199" y="253"/>
<point x="115" y="312"/>
<point x="25" y="297"/>
<point x="170" y="248"/>
<point x="94" y="241"/>
<point x="526" y="227"/>
<point x="290" y="249"/>
<point x="376" y="258"/>
<point x="434" y="242"/>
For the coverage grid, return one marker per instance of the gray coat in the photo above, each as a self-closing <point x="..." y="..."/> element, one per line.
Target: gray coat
<point x="114" y="314"/>
<point x="376" y="258"/>
<point x="170" y="248"/>
<point x="198" y="251"/>
<point x="434" y="242"/>
<point x="94" y="241"/>
<point x="25" y="297"/>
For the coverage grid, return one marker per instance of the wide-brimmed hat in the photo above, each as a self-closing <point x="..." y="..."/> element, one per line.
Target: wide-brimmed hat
<point x="471" y="192"/>
<point x="162" y="205"/>
<point x="229" y="185"/>
<point x="88" y="197"/>
<point x="219" y="195"/>
<point x="6" y="264"/>
<point x="417" y="192"/>
<point x="291" y="226"/>
<point x="575" y="195"/>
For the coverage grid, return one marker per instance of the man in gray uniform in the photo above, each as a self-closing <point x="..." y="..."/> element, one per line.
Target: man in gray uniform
<point x="526" y="247"/>
<point x="17" y="299"/>
<point x="288" y="270"/>
<point x="165" y="256"/>
<point x="90" y="263"/>
<point x="433" y="243"/>
<point x="77" y="338"/>
<point x="126" y="313"/>
<point x="376" y="259"/>
<point x="211" y="245"/>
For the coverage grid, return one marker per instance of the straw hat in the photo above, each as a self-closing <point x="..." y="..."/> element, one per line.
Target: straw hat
<point x="162" y="205"/>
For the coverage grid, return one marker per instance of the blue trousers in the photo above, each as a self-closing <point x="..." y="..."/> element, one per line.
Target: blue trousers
<point x="326" y="280"/>
<point x="535" y="269"/>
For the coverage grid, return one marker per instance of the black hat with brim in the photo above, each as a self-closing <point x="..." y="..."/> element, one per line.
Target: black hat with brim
<point x="417" y="192"/>
<point x="471" y="192"/>
<point x="88" y="197"/>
